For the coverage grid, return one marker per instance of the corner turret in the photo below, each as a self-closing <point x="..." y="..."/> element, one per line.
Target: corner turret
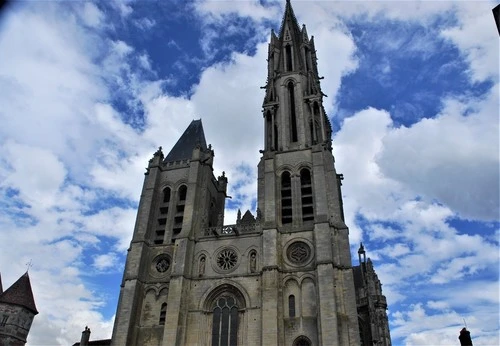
<point x="17" y="311"/>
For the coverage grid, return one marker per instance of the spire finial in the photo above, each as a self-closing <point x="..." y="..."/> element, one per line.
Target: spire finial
<point x="29" y="265"/>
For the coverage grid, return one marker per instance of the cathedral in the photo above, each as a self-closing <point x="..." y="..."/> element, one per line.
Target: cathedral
<point x="282" y="275"/>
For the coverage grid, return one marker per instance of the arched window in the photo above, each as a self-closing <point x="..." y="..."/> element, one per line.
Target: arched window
<point x="286" y="198"/>
<point x="306" y="58"/>
<point x="288" y="57"/>
<point x="293" y="116"/>
<point x="163" y="314"/>
<point x="302" y="341"/>
<point x="179" y="210"/>
<point x="166" y="195"/>
<point x="182" y="192"/>
<point x="225" y="321"/>
<point x="306" y="195"/>
<point x="291" y="305"/>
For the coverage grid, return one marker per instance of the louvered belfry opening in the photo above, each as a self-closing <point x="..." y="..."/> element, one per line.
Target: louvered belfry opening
<point x="286" y="198"/>
<point x="306" y="195"/>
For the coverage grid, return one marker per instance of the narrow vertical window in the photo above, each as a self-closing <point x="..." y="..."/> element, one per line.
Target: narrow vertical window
<point x="293" y="116"/>
<point x="163" y="314"/>
<point x="275" y="137"/>
<point x="4" y="321"/>
<point x="306" y="57"/>
<point x="288" y="57"/>
<point x="179" y="210"/>
<point x="306" y="195"/>
<point x="316" y="119"/>
<point x="269" y="131"/>
<point x="286" y="198"/>
<point x="162" y="217"/>
<point x="166" y="195"/>
<point x="291" y="305"/>
<point x="225" y="322"/>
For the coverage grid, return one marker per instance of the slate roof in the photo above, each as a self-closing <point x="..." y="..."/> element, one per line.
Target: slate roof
<point x="183" y="149"/>
<point x="248" y="218"/>
<point x="20" y="293"/>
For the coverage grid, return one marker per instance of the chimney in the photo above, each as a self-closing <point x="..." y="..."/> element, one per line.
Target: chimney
<point x="85" y="337"/>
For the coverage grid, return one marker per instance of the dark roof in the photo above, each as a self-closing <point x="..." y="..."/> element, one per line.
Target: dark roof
<point x="1" y="288"/>
<point x="248" y="217"/>
<point x="193" y="136"/>
<point x="103" y="342"/>
<point x="20" y="293"/>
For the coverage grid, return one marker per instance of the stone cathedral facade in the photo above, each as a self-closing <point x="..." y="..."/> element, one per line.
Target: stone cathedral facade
<point x="280" y="276"/>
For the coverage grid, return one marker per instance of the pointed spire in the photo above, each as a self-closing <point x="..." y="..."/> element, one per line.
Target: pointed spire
<point x="289" y="17"/>
<point x="190" y="139"/>
<point x="20" y="293"/>
<point x="1" y="288"/>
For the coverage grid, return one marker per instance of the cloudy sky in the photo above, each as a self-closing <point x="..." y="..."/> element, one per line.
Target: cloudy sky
<point x="89" y="90"/>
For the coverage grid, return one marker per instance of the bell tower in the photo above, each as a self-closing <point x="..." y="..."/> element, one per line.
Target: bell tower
<point x="305" y="240"/>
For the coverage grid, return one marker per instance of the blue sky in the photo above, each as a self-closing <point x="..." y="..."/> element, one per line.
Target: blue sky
<point x="89" y="90"/>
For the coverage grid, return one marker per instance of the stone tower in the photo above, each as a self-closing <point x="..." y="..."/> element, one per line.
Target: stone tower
<point x="280" y="277"/>
<point x="17" y="311"/>
<point x="371" y="303"/>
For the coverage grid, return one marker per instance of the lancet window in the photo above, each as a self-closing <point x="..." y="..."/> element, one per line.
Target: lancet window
<point x="225" y="321"/>
<point x="291" y="305"/>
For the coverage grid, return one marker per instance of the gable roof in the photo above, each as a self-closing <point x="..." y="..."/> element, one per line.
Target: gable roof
<point x="20" y="293"/>
<point x="193" y="136"/>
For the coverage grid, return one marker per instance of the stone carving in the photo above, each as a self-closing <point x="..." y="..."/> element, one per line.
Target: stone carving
<point x="253" y="262"/>
<point x="227" y="259"/>
<point x="201" y="268"/>
<point x="298" y="252"/>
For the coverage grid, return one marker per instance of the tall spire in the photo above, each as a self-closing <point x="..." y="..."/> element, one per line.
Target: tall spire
<point x="290" y="19"/>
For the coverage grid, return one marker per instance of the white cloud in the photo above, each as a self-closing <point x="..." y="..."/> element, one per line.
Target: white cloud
<point x="105" y="261"/>
<point x="453" y="158"/>
<point x="91" y="14"/>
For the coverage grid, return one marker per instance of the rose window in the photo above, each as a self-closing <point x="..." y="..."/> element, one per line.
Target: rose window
<point x="162" y="265"/>
<point x="227" y="259"/>
<point x="298" y="252"/>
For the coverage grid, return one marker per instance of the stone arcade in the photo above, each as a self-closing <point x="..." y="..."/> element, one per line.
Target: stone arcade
<point x="281" y="276"/>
